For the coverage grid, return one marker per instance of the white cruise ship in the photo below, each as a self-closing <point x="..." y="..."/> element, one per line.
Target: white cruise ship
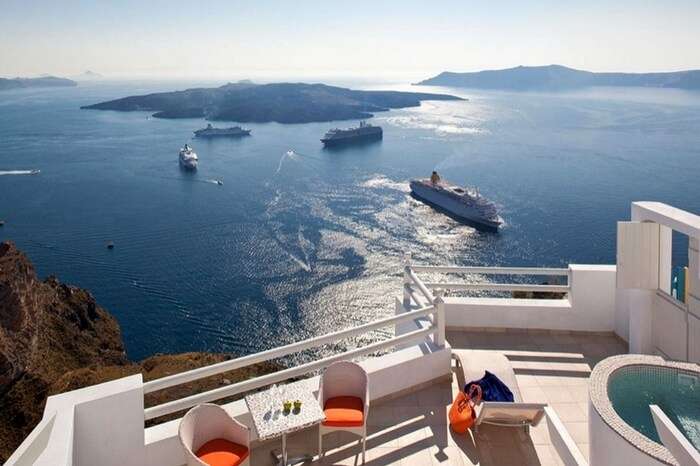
<point x="463" y="203"/>
<point x="188" y="158"/>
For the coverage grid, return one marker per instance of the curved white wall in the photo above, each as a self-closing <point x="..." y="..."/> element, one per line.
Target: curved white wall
<point x="608" y="448"/>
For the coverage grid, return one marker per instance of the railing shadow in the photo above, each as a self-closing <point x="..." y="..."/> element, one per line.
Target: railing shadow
<point x="414" y="430"/>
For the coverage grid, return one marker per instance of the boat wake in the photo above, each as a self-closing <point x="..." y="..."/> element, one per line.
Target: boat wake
<point x="20" y="172"/>
<point x="290" y="154"/>
<point x="191" y="179"/>
<point x="382" y="182"/>
<point x="304" y="246"/>
<point x="293" y="155"/>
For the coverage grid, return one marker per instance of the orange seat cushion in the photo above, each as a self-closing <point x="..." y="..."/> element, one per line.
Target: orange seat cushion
<point x="220" y="452"/>
<point x="344" y="411"/>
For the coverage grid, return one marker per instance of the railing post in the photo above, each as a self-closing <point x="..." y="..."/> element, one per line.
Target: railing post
<point x="439" y="304"/>
<point x="406" y="282"/>
<point x="569" y="283"/>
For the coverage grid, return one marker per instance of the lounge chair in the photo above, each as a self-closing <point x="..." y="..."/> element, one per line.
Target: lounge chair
<point x="516" y="414"/>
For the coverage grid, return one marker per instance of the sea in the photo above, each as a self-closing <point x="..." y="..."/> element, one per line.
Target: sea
<point x="300" y="240"/>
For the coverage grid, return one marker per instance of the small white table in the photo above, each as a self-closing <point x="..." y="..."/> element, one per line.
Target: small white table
<point x="271" y="421"/>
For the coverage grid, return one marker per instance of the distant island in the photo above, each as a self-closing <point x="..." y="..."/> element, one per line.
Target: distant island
<point x="43" y="81"/>
<point x="557" y="77"/>
<point x="88" y="75"/>
<point x="260" y="103"/>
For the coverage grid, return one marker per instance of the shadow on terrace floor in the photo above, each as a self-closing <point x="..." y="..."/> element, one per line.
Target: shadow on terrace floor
<point x="413" y="429"/>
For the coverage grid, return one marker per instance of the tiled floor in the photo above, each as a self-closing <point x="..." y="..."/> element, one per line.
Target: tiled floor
<point x="413" y="429"/>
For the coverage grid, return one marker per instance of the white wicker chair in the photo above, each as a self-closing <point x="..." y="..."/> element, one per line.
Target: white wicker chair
<point x="207" y="430"/>
<point x="341" y="382"/>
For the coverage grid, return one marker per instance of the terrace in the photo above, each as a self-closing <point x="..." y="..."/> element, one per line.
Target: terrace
<point x="552" y="339"/>
<point x="412" y="429"/>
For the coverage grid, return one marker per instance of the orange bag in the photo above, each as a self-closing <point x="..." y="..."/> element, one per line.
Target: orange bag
<point x="462" y="414"/>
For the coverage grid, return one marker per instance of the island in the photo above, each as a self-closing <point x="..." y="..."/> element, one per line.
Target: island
<point x="557" y="77"/>
<point x="43" y="81"/>
<point x="88" y="75"/>
<point x="247" y="102"/>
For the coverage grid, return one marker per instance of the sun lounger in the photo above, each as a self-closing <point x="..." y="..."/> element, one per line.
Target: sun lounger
<point x="517" y="414"/>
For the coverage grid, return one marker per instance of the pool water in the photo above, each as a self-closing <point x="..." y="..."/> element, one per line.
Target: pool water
<point x="632" y="389"/>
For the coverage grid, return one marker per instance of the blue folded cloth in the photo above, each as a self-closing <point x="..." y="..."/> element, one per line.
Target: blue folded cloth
<point x="492" y="388"/>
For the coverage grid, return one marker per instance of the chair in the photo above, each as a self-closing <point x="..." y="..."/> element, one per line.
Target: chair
<point x="517" y="414"/>
<point x="210" y="437"/>
<point x="344" y="397"/>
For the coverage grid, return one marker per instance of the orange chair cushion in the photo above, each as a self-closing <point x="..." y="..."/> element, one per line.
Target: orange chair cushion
<point x="220" y="452"/>
<point x="344" y="411"/>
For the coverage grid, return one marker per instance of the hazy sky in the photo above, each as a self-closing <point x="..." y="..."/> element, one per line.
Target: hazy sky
<point x="214" y="38"/>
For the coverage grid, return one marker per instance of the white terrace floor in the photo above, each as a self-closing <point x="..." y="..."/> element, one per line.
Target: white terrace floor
<point x="413" y="429"/>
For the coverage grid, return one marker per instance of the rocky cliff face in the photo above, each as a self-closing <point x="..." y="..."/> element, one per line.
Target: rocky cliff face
<point x="46" y="330"/>
<point x="55" y="338"/>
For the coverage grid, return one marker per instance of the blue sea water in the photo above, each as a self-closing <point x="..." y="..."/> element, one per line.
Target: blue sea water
<point x="292" y="246"/>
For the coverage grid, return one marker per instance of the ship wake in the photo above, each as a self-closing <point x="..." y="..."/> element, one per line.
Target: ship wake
<point x="19" y="172"/>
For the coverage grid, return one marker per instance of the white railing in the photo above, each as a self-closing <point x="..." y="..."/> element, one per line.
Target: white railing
<point x="437" y="328"/>
<point x="418" y="292"/>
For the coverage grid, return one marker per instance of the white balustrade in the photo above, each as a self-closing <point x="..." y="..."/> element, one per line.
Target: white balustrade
<point x="251" y="384"/>
<point x="411" y="280"/>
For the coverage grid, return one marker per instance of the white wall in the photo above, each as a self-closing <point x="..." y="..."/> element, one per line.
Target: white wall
<point x="660" y="324"/>
<point x="591" y="306"/>
<point x="641" y="312"/>
<point x="562" y="441"/>
<point x="101" y="424"/>
<point x="694" y="300"/>
<point x="608" y="448"/>
<point x="31" y="449"/>
<point x="109" y="426"/>
<point x="669" y="335"/>
<point x="623" y="301"/>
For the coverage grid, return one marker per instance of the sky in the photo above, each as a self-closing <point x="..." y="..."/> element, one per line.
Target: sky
<point x="212" y="38"/>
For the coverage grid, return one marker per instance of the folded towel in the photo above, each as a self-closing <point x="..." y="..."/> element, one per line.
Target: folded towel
<point x="492" y="388"/>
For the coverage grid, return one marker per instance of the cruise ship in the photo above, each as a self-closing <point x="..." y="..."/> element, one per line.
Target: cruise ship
<point x="211" y="132"/>
<point x="465" y="204"/>
<point x="188" y="158"/>
<point x="364" y="132"/>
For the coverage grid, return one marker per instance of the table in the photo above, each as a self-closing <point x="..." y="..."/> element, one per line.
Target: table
<point x="271" y="421"/>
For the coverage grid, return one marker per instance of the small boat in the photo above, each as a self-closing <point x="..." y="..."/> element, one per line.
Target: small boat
<point x="2" y="223"/>
<point x="34" y="172"/>
<point x="219" y="182"/>
<point x="188" y="158"/>
<point x="465" y="204"/>
<point x="110" y="244"/>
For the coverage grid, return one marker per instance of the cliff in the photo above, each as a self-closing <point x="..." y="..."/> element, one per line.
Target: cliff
<point x="55" y="338"/>
<point x="557" y="77"/>
<point x="281" y="102"/>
